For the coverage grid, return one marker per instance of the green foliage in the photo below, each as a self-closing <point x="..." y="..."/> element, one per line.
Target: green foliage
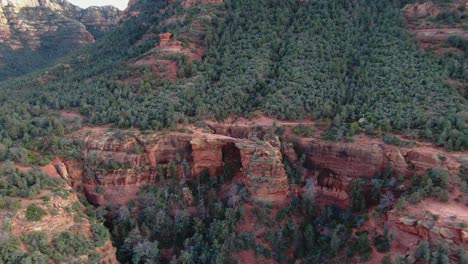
<point x="423" y="252"/>
<point x="357" y="197"/>
<point x="362" y="247"/>
<point x="9" y="204"/>
<point x="99" y="189"/>
<point x="382" y="242"/>
<point x="27" y="184"/>
<point x="35" y="213"/>
<point x="37" y="241"/>
<point x="393" y="140"/>
<point x="9" y="250"/>
<point x="101" y="235"/>
<point x="288" y="65"/>
<point x="305" y="131"/>
<point x="71" y="244"/>
<point x="440" y="177"/>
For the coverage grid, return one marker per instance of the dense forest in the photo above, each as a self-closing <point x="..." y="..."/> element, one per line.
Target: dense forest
<point x="347" y="61"/>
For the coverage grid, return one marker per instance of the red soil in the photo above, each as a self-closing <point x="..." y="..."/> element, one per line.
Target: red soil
<point x="71" y="115"/>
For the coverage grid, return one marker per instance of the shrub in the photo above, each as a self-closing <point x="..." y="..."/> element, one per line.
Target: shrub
<point x="362" y="247"/>
<point x="99" y="189"/>
<point x="302" y="130"/>
<point x="69" y="244"/>
<point x="37" y="241"/>
<point x="9" y="204"/>
<point x="440" y="177"/>
<point x="35" y="213"/>
<point x="281" y="214"/>
<point x="382" y="243"/>
<point x="101" y="235"/>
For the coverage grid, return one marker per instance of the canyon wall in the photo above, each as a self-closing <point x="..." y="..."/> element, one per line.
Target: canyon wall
<point x="121" y="164"/>
<point x="117" y="164"/>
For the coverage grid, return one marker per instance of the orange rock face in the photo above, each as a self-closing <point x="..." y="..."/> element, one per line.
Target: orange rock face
<point x="120" y="163"/>
<point x="164" y="37"/>
<point x="121" y="166"/>
<point x="262" y="165"/>
<point x="207" y="154"/>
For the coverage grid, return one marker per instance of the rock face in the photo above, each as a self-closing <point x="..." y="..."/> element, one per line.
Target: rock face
<point x="169" y="45"/>
<point x="42" y="30"/>
<point x="262" y="165"/>
<point x="348" y="161"/>
<point x="120" y="163"/>
<point x="207" y="154"/>
<point x="117" y="166"/>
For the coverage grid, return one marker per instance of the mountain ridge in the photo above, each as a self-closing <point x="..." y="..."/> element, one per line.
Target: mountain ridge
<point x="47" y="30"/>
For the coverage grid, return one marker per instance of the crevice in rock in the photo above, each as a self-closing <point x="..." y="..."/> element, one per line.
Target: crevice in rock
<point x="232" y="158"/>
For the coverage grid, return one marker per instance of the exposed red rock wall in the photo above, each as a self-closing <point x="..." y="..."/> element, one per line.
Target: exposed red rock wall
<point x="367" y="159"/>
<point x="262" y="165"/>
<point x="140" y="158"/>
<point x="207" y="154"/>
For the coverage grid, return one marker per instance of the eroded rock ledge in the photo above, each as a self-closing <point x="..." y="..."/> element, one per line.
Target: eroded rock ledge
<point x="117" y="164"/>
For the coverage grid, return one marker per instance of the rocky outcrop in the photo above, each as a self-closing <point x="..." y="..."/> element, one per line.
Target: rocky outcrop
<point x="116" y="166"/>
<point x="207" y="154"/>
<point x="121" y="162"/>
<point x="367" y="159"/>
<point x="427" y="228"/>
<point x="28" y="22"/>
<point x="347" y="159"/>
<point x="60" y="218"/>
<point x="262" y="165"/>
<point x="99" y="19"/>
<point x="421" y="10"/>
<point x="167" y="44"/>
<point x="62" y="170"/>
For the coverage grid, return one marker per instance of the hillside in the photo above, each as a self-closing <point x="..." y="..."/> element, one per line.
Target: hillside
<point x="273" y="131"/>
<point x="35" y="33"/>
<point x="332" y="70"/>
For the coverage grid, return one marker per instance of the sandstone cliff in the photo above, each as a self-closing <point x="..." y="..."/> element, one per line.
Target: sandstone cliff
<point x="120" y="163"/>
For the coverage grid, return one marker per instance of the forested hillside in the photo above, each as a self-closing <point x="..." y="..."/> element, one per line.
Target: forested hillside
<point x="341" y="61"/>
<point x="33" y="34"/>
<point x="340" y="96"/>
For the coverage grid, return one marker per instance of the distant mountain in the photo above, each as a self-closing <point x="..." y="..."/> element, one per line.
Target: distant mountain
<point x="35" y="32"/>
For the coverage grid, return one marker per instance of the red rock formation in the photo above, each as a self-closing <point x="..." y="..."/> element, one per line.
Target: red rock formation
<point x="126" y="161"/>
<point x="138" y="157"/>
<point x="262" y="165"/>
<point x="423" y="10"/>
<point x="348" y="159"/>
<point x="207" y="154"/>
<point x="167" y="44"/>
<point x="62" y="170"/>
<point x="164" y="38"/>
<point x="369" y="158"/>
